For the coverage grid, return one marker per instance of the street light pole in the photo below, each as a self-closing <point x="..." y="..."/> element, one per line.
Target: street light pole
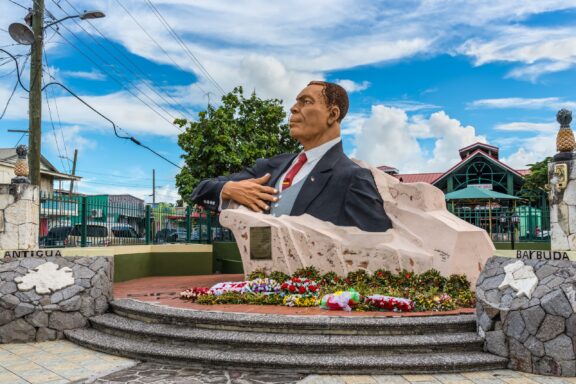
<point x="35" y="100"/>
<point x="35" y="37"/>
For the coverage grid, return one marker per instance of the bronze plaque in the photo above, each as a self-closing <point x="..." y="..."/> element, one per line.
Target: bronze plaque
<point x="261" y="243"/>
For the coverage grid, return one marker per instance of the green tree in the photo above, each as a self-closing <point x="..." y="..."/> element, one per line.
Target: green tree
<point x="230" y="137"/>
<point x="533" y="187"/>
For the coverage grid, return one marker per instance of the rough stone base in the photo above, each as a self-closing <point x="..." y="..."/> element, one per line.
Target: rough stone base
<point x="537" y="333"/>
<point x="26" y="315"/>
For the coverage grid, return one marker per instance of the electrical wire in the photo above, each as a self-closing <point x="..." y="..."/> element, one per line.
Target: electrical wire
<point x="54" y="131"/>
<point x="186" y="49"/>
<point x="13" y="90"/>
<point x="156" y="43"/>
<point x="134" y="65"/>
<point x="116" y="79"/>
<point x="20" y="5"/>
<point x="58" y="115"/>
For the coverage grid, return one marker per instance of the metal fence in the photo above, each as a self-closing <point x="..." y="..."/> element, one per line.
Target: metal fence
<point x="88" y="221"/>
<point x="503" y="224"/>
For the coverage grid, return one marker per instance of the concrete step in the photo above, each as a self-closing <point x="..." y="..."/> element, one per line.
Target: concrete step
<point x="270" y="323"/>
<point x="365" y="363"/>
<point x="281" y="342"/>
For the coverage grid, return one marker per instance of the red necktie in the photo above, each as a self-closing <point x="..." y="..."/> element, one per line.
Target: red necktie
<point x="293" y="171"/>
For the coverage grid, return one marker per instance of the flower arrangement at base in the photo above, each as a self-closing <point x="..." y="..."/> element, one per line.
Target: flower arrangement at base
<point x="390" y="303"/>
<point x="300" y="286"/>
<point x="341" y="300"/>
<point x="384" y="290"/>
<point x="300" y="301"/>
<point x="193" y="293"/>
<point x="229" y="286"/>
<point x="265" y="286"/>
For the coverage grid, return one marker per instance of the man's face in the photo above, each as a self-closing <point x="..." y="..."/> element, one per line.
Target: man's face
<point x="309" y="115"/>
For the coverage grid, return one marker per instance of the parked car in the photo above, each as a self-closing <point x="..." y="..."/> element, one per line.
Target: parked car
<point x="96" y="235"/>
<point x="56" y="237"/>
<point x="126" y="234"/>
<point x="175" y="235"/>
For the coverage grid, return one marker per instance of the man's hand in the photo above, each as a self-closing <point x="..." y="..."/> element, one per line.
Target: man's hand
<point x="250" y="193"/>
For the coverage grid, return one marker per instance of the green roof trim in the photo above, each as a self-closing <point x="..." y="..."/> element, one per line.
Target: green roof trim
<point x="474" y="193"/>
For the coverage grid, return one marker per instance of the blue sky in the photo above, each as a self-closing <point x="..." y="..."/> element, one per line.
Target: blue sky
<point x="425" y="77"/>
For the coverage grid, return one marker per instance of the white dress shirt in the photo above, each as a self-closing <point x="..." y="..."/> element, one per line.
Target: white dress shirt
<point x="313" y="156"/>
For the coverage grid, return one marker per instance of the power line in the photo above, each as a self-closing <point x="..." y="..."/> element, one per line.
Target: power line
<point x="13" y="90"/>
<point x="121" y="176"/>
<point x="134" y="65"/>
<point x="156" y="43"/>
<point x="115" y="79"/>
<point x="186" y="49"/>
<point x="54" y="130"/>
<point x="20" y="5"/>
<point x="59" y="120"/>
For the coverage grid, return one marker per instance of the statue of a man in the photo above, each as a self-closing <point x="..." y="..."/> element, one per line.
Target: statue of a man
<point x="321" y="180"/>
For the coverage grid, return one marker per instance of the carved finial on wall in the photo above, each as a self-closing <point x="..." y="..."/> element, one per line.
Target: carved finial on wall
<point x="565" y="138"/>
<point x="21" y="166"/>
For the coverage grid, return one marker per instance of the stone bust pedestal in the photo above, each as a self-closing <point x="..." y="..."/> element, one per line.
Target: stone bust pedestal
<point x="527" y="312"/>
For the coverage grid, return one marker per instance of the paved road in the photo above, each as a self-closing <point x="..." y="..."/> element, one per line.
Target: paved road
<point x="61" y="362"/>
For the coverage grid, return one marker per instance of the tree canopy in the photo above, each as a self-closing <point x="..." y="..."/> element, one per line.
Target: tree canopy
<point x="533" y="187"/>
<point x="230" y="137"/>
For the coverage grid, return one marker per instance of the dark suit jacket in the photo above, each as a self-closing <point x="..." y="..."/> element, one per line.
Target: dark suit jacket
<point x="336" y="190"/>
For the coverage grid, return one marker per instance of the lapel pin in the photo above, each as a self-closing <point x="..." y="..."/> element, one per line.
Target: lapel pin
<point x="312" y="179"/>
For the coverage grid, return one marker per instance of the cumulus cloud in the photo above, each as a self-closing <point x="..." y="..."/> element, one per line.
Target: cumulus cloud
<point x="530" y="151"/>
<point x="553" y="103"/>
<point x="389" y="137"/>
<point x="521" y="126"/>
<point x="351" y="86"/>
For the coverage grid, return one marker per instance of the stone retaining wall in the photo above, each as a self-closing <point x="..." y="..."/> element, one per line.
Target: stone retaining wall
<point x="40" y="306"/>
<point x="527" y="312"/>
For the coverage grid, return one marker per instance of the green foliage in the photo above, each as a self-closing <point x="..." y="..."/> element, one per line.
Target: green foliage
<point x="533" y="187"/>
<point x="259" y="273"/>
<point x="456" y="283"/>
<point x="279" y="276"/>
<point x="308" y="272"/>
<point x="431" y="278"/>
<point x="230" y="137"/>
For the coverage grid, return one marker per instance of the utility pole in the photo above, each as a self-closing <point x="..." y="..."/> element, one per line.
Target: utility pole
<point x="35" y="100"/>
<point x="73" y="170"/>
<point x="153" y="187"/>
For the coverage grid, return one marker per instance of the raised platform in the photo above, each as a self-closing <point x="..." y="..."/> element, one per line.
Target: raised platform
<point x="314" y="342"/>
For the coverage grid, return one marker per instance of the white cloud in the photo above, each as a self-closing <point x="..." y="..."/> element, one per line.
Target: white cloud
<point x="553" y="103"/>
<point x="521" y="126"/>
<point x="351" y="86"/>
<point x="92" y="75"/>
<point x="539" y="50"/>
<point x="390" y="137"/>
<point x="530" y="151"/>
<point x="63" y="142"/>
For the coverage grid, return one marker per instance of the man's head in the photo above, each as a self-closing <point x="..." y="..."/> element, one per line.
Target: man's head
<point x="316" y="115"/>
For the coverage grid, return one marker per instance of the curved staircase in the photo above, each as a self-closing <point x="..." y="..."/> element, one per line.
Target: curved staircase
<point x="305" y="344"/>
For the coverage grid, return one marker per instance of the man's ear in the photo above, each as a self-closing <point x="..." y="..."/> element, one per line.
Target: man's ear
<point x="334" y="115"/>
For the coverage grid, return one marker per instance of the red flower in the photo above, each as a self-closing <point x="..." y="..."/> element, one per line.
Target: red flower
<point x="312" y="288"/>
<point x="284" y="286"/>
<point x="302" y="290"/>
<point x="296" y="280"/>
<point x="379" y="273"/>
<point x="408" y="275"/>
<point x="292" y="288"/>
